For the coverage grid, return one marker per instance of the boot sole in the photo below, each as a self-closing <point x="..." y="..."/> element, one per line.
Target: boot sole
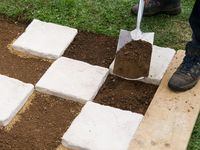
<point x="174" y="11"/>
<point x="182" y="89"/>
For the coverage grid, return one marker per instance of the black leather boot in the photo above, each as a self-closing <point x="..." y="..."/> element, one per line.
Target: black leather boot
<point x="171" y="7"/>
<point x="188" y="73"/>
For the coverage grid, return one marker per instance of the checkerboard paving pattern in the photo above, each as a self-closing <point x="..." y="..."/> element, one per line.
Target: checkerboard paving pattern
<point x="45" y="40"/>
<point x="97" y="127"/>
<point x="100" y="127"/>
<point x="14" y="95"/>
<point x="72" y="79"/>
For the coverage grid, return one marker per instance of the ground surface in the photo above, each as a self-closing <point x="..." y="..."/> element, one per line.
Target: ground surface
<point x="44" y="119"/>
<point x="126" y="95"/>
<point x="98" y="50"/>
<point x="106" y="17"/>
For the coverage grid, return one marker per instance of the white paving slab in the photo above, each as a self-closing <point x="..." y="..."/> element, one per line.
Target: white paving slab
<point x="72" y="79"/>
<point x="100" y="127"/>
<point x="160" y="60"/>
<point x="44" y="39"/>
<point x="13" y="95"/>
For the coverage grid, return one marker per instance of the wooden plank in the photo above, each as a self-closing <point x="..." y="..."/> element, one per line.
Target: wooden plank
<point x="170" y="118"/>
<point x="61" y="147"/>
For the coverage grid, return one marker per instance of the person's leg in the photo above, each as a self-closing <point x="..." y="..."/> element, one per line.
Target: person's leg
<point x="171" y="7"/>
<point x="195" y="23"/>
<point x="188" y="73"/>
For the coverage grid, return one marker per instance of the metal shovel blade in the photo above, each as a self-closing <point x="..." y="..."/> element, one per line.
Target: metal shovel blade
<point x="125" y="37"/>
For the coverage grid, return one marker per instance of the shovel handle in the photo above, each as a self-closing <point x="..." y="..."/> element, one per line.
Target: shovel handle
<point x="140" y="13"/>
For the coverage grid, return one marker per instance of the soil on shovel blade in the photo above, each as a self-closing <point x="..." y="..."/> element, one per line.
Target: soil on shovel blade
<point x="42" y="125"/>
<point x="133" y="60"/>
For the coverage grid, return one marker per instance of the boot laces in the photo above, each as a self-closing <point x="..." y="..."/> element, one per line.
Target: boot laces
<point x="189" y="62"/>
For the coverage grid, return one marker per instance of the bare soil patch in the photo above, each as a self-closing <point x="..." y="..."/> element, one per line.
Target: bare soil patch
<point x="93" y="48"/>
<point x="127" y="95"/>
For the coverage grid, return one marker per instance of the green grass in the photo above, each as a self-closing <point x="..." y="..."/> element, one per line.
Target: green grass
<point x="107" y="17"/>
<point x="195" y="139"/>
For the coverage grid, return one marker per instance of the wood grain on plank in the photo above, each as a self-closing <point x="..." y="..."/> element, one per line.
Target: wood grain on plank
<point x="170" y="118"/>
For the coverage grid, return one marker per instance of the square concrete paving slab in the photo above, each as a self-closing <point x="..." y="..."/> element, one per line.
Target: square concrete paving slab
<point x="100" y="127"/>
<point x="14" y="94"/>
<point x="72" y="79"/>
<point x="160" y="60"/>
<point x="44" y="39"/>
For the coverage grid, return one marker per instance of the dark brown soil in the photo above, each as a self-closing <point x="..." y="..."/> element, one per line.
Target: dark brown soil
<point x="93" y="48"/>
<point x="42" y="125"/>
<point x="133" y="60"/>
<point x="126" y="95"/>
<point x="24" y="69"/>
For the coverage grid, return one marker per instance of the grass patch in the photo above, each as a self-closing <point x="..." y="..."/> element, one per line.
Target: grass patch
<point x="195" y="139"/>
<point x="107" y="17"/>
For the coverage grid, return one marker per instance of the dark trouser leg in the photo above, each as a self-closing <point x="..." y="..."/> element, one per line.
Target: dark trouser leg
<point x="195" y="24"/>
<point x="188" y="73"/>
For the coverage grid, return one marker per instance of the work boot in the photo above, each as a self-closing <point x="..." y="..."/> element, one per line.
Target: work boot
<point x="153" y="7"/>
<point x="188" y="73"/>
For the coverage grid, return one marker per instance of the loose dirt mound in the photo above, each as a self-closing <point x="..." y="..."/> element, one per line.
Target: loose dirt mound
<point x="133" y="60"/>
